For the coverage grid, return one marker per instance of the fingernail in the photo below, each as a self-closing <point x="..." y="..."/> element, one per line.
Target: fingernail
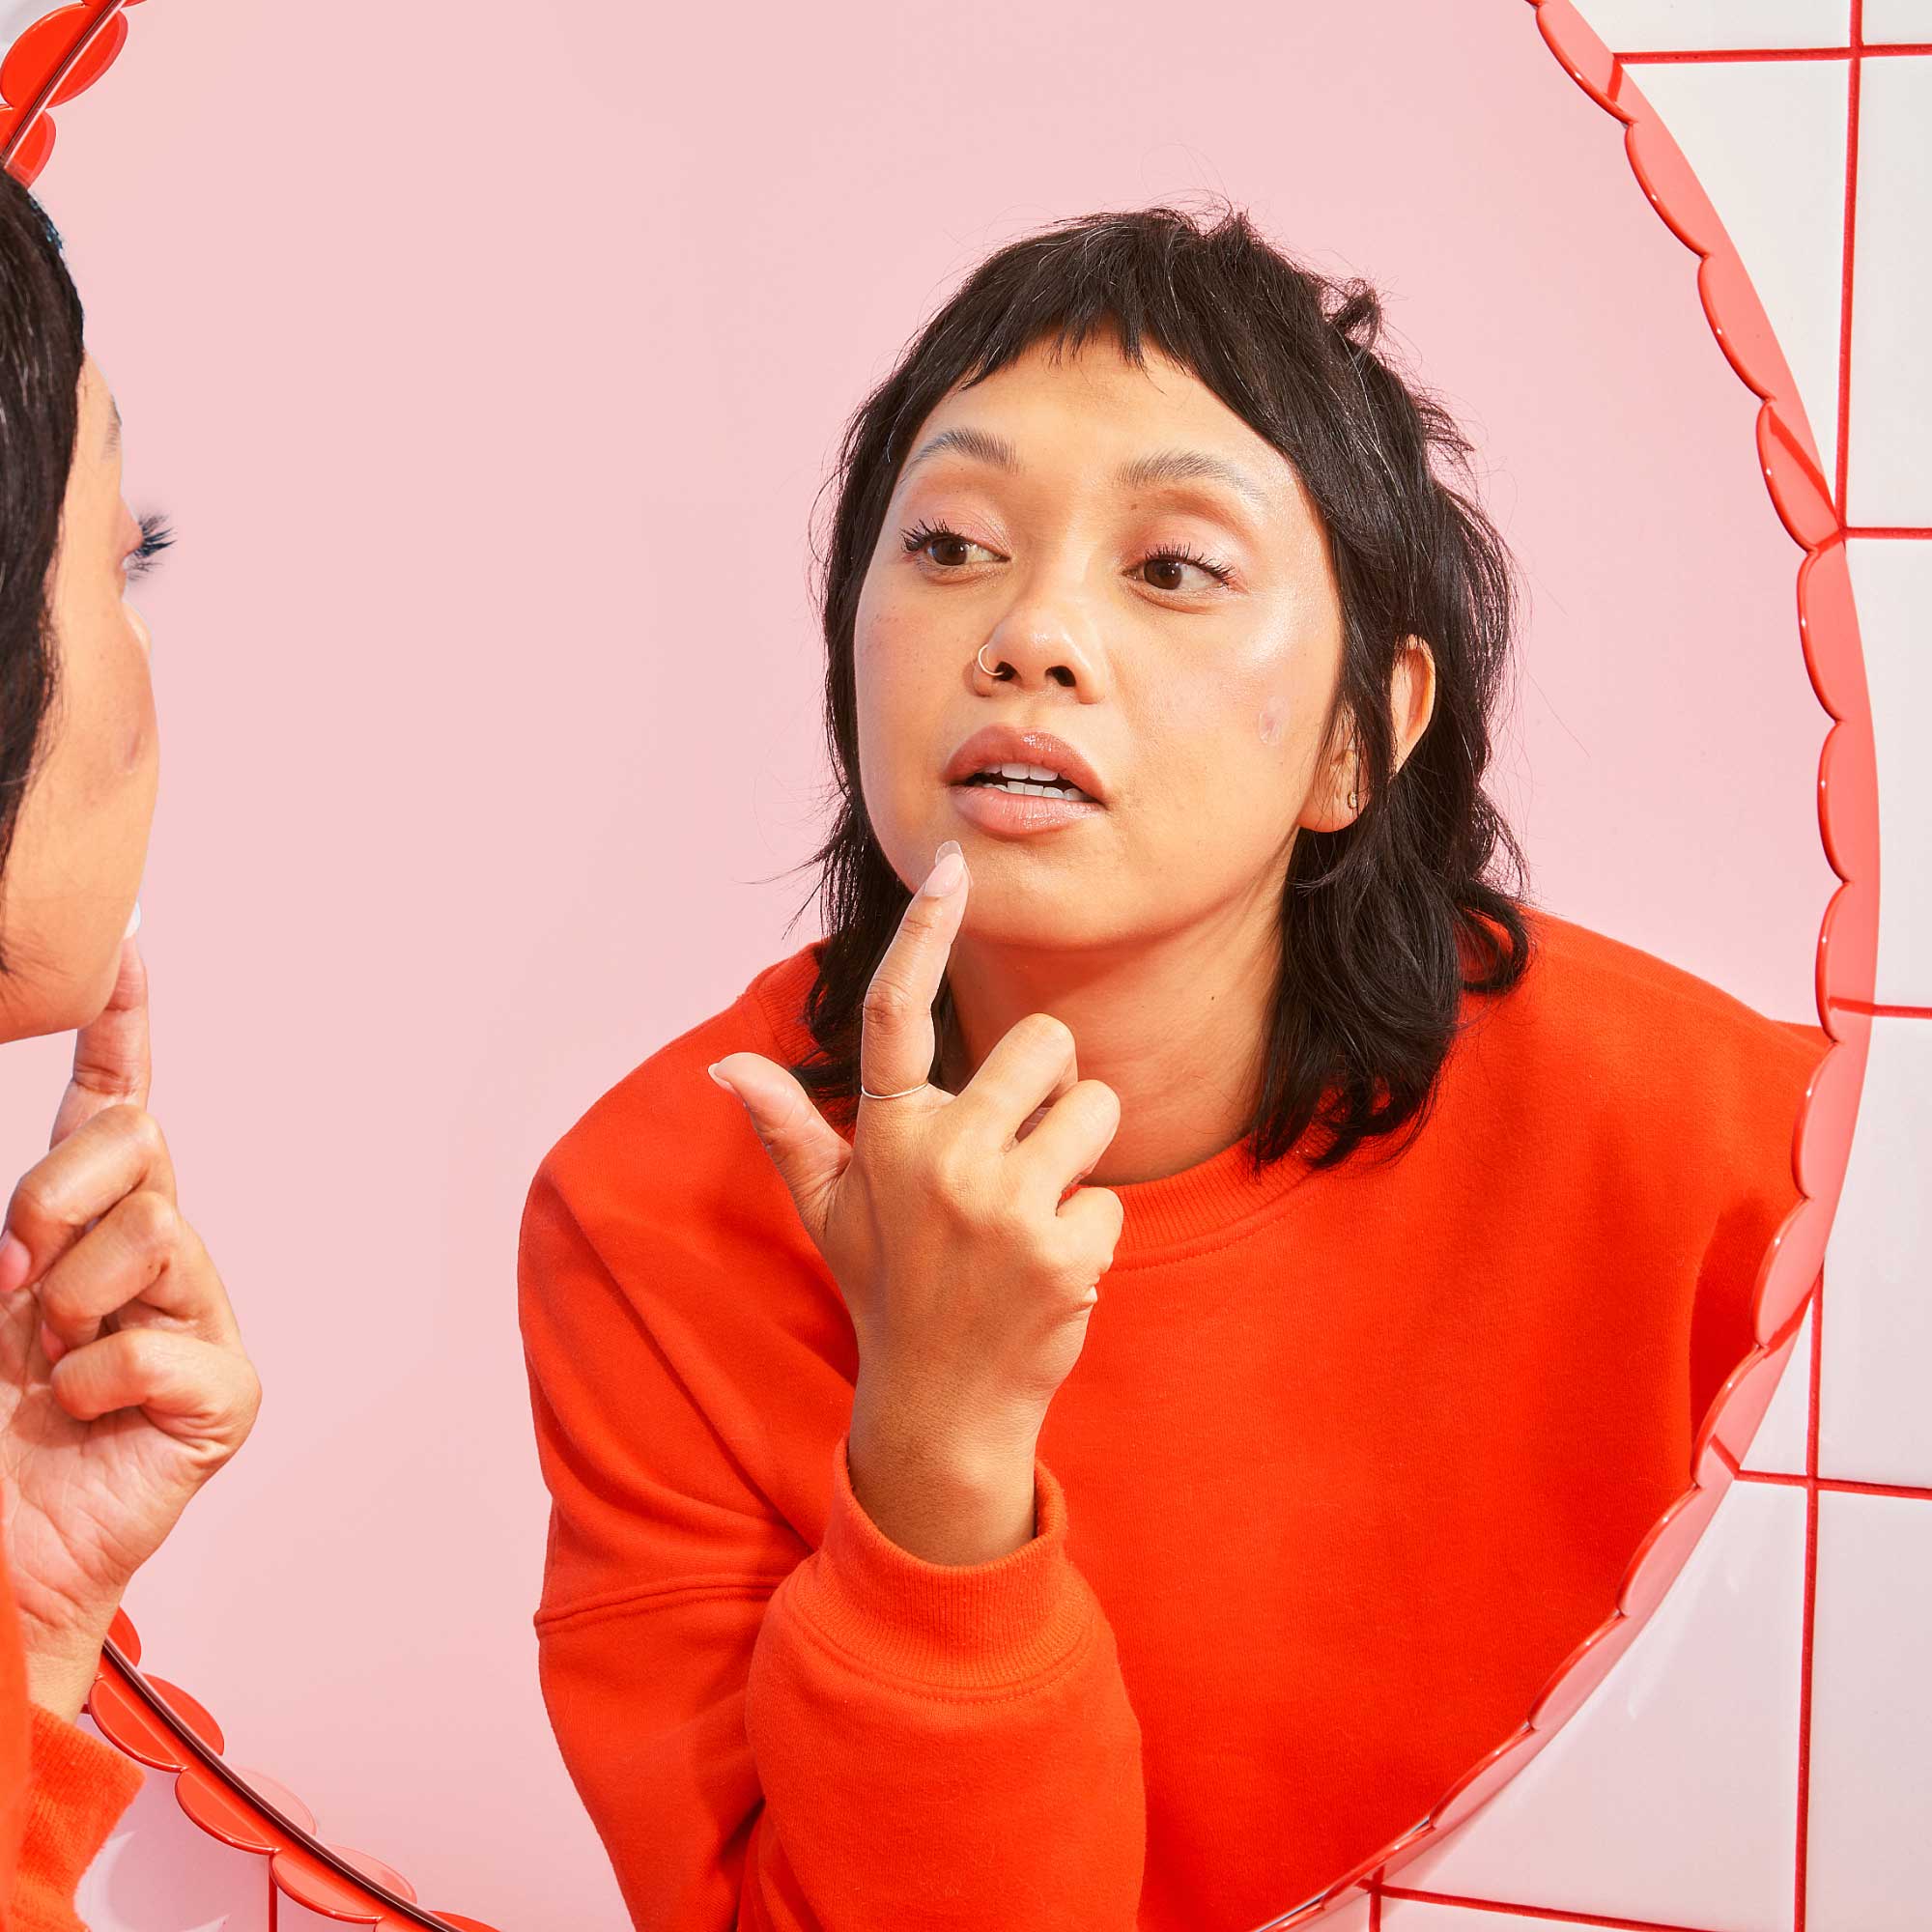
<point x="14" y="1262"/>
<point x="53" y="1345"/>
<point x="946" y="873"/>
<point x="712" y="1069"/>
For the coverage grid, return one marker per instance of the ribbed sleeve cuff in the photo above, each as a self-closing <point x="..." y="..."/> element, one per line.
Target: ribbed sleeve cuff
<point x="978" y="1626"/>
<point x="78" y="1789"/>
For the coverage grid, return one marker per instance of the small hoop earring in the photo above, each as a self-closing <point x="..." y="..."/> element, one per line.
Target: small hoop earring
<point x="1354" y="805"/>
<point x="979" y="659"/>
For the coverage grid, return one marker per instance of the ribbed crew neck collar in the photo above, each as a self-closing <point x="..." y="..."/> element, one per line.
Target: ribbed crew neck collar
<point x="1165" y="1218"/>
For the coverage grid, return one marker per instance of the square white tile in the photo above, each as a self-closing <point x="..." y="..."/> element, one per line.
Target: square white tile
<point x="1692" y="25"/>
<point x="1874" y="1423"/>
<point x="1891" y="583"/>
<point x="1672" y="1794"/>
<point x="1897" y="21"/>
<point x="1890" y="481"/>
<point x="1416" y="1914"/>
<point x="1869" y="1863"/>
<point x="1766" y="140"/>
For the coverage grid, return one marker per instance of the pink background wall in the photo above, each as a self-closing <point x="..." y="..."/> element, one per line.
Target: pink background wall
<point x="490" y="387"/>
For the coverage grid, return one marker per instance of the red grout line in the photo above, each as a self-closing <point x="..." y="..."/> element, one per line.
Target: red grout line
<point x="1882" y="1013"/>
<point x="1556" y="1915"/>
<point x="1801" y="1888"/>
<point x="1853" y="92"/>
<point x="1834" y="1485"/>
<point x="1853" y="531"/>
<point x="1677" y="56"/>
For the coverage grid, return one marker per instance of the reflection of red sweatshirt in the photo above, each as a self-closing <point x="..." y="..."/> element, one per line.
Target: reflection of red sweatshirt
<point x="1348" y="1465"/>
<point x="61" y="1793"/>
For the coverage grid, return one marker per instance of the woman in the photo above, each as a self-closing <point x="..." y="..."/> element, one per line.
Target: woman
<point x="1232" y="1284"/>
<point x="122" y="1381"/>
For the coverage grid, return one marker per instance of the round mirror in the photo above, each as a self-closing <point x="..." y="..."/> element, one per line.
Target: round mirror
<point x="494" y="373"/>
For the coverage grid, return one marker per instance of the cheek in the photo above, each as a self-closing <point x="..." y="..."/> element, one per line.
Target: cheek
<point x="1272" y="721"/>
<point x="132" y="734"/>
<point x="137" y="746"/>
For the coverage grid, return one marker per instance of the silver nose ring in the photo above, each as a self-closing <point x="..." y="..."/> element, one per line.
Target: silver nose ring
<point x="979" y="659"/>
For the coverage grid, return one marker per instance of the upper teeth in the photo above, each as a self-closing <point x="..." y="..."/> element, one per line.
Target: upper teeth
<point x="1035" y="774"/>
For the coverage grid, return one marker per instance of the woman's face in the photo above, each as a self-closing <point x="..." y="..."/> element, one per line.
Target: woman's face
<point x="81" y="840"/>
<point x="1196" y="691"/>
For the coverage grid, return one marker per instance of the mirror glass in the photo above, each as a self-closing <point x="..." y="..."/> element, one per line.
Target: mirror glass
<point x="490" y="368"/>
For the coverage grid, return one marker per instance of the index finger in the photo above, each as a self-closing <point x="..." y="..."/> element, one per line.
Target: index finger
<point x="896" y="1040"/>
<point x="112" y="1057"/>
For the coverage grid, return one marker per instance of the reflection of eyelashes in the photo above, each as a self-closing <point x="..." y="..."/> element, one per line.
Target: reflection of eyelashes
<point x="927" y="534"/>
<point x="156" y="534"/>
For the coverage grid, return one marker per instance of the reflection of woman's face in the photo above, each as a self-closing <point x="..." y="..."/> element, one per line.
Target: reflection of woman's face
<point x="1198" y="703"/>
<point x="81" y="840"/>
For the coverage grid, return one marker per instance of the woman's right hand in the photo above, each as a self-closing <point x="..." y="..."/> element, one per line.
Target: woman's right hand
<point x="968" y="1269"/>
<point x="124" y="1384"/>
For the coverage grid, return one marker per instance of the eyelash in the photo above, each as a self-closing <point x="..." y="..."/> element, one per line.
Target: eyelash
<point x="924" y="533"/>
<point x="156" y="534"/>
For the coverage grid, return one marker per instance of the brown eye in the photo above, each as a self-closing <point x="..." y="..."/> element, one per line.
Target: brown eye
<point x="1179" y="558"/>
<point x="929" y="537"/>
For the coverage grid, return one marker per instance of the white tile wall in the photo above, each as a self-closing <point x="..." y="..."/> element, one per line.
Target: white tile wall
<point x="1874" y="1422"/>
<point x="1898" y="21"/>
<point x="1870" y="1863"/>
<point x="1891" y="298"/>
<point x="1630" y="26"/>
<point x="1415" y="1914"/>
<point x="1891" y="583"/>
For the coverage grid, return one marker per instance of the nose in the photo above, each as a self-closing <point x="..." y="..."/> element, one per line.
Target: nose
<point x="1034" y="652"/>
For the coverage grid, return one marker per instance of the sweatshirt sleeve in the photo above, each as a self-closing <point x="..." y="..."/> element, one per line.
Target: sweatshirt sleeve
<point x="781" y="1739"/>
<point x="77" y="1788"/>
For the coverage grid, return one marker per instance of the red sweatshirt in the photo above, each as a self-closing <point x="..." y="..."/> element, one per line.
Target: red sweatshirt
<point x="1350" y="1462"/>
<point x="61" y="1793"/>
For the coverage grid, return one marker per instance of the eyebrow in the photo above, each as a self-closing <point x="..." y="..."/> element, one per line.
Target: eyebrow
<point x="1140" y="472"/>
<point x="113" y="426"/>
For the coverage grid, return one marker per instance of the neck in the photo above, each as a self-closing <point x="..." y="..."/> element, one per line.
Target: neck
<point x="1176" y="1026"/>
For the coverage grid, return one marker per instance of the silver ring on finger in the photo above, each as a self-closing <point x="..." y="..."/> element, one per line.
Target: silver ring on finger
<point x="899" y="1095"/>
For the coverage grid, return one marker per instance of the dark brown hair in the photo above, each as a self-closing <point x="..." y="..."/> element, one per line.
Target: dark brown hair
<point x="41" y="357"/>
<point x="1377" y="918"/>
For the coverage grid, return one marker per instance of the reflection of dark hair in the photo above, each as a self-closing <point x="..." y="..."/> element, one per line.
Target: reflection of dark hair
<point x="40" y="356"/>
<point x="1376" y="916"/>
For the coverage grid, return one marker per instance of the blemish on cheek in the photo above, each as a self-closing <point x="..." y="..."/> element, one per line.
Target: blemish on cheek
<point x="1269" y="722"/>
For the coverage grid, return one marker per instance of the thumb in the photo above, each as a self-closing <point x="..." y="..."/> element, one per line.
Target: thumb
<point x="112" y="1061"/>
<point x="807" y="1151"/>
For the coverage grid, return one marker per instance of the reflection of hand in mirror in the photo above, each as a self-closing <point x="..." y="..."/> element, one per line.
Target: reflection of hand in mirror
<point x="122" y="1381"/>
<point x="968" y="1269"/>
